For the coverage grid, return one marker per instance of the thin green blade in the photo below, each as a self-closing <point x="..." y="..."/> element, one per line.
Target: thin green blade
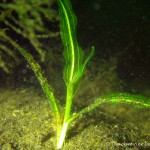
<point x="116" y="98"/>
<point x="73" y="53"/>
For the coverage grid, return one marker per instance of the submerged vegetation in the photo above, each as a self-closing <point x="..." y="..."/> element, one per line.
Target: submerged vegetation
<point x="72" y="74"/>
<point x="30" y="21"/>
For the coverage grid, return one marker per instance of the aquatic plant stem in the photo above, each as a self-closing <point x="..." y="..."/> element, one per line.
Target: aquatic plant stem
<point x="62" y="136"/>
<point x="63" y="132"/>
<point x="69" y="97"/>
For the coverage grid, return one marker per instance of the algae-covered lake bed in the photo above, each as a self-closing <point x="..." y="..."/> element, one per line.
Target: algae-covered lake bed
<point x="27" y="123"/>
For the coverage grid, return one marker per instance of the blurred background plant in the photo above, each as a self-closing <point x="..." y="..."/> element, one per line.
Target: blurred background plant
<point x="29" y="22"/>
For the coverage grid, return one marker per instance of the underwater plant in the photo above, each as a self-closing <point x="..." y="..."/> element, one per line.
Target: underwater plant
<point x="28" y="20"/>
<point x="72" y="74"/>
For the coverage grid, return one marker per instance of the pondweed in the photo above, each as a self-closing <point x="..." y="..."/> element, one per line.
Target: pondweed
<point x="73" y="72"/>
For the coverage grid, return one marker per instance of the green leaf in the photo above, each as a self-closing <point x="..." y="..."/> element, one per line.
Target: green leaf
<point x="48" y="90"/>
<point x="73" y="53"/>
<point x="116" y="98"/>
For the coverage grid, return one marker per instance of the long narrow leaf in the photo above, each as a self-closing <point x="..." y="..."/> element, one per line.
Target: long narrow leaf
<point x="135" y="100"/>
<point x="48" y="90"/>
<point x="72" y="51"/>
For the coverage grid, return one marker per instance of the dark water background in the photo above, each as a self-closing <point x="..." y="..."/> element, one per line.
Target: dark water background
<point x="118" y="29"/>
